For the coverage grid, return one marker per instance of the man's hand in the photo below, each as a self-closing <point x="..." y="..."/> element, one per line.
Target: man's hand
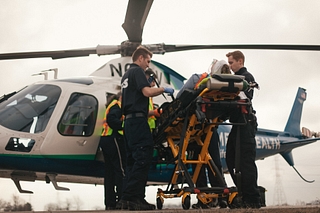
<point x="168" y="90"/>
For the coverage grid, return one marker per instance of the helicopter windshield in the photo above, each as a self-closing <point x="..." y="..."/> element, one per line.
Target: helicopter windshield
<point x="30" y="109"/>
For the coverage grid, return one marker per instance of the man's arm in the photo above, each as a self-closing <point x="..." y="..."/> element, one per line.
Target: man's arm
<point x="152" y="91"/>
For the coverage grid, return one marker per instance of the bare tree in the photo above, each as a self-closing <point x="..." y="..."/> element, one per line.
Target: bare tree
<point x="68" y="204"/>
<point x="52" y="207"/>
<point x="78" y="202"/>
<point x="18" y="205"/>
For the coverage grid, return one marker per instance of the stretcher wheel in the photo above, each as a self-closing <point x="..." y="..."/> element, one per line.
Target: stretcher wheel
<point x="223" y="204"/>
<point x="235" y="202"/>
<point x="186" y="202"/>
<point x="159" y="203"/>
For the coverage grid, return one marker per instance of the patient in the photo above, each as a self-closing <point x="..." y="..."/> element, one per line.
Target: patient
<point x="216" y="67"/>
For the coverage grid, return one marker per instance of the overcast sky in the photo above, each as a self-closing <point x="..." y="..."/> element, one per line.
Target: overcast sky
<point x="40" y="25"/>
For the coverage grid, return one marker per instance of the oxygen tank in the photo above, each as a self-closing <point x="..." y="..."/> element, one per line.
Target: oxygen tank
<point x="227" y="83"/>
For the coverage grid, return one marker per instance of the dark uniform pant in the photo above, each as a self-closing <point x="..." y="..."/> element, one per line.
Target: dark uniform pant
<point x="114" y="156"/>
<point x="139" y="145"/>
<point x="248" y="169"/>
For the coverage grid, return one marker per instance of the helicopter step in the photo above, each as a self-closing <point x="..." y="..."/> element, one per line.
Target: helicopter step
<point x="16" y="177"/>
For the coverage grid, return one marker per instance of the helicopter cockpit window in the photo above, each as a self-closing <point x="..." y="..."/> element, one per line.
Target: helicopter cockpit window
<point x="30" y="109"/>
<point x="79" y="117"/>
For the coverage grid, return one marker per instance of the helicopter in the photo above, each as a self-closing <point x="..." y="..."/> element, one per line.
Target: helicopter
<point x="83" y="159"/>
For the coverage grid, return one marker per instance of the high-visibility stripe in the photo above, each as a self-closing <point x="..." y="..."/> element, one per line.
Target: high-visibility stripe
<point x="151" y="119"/>
<point x="106" y="128"/>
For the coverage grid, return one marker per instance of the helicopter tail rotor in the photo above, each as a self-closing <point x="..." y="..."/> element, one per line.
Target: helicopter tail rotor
<point x="309" y="134"/>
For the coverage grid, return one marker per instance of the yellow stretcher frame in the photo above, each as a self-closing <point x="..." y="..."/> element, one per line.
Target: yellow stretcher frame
<point x="194" y="129"/>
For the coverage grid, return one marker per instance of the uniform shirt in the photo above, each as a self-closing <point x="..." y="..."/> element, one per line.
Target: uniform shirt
<point x="114" y="119"/>
<point x="249" y="78"/>
<point x="112" y="122"/>
<point x="132" y="82"/>
<point x="235" y="116"/>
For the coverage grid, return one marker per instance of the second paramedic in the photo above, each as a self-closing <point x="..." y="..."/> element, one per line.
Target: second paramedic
<point x="248" y="170"/>
<point x="113" y="148"/>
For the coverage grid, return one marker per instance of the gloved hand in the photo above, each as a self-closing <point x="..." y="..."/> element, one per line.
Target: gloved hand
<point x="157" y="112"/>
<point x="168" y="90"/>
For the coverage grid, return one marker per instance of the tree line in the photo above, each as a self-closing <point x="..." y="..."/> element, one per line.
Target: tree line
<point x="18" y="204"/>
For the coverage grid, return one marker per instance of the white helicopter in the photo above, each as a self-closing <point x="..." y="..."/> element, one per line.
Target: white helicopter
<point x="50" y="130"/>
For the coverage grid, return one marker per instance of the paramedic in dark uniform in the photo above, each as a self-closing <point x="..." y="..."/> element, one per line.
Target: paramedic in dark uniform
<point x="136" y="91"/>
<point x="248" y="169"/>
<point x="113" y="148"/>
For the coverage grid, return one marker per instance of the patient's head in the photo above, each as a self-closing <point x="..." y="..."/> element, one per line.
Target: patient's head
<point x="219" y="67"/>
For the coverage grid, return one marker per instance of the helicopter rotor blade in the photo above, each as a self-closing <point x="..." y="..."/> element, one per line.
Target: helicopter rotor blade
<point x="99" y="50"/>
<point x="176" y="48"/>
<point x="137" y="13"/>
<point x="160" y="48"/>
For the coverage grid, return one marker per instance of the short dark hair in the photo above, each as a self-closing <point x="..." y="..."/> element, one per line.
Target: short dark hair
<point x="236" y="55"/>
<point x="141" y="50"/>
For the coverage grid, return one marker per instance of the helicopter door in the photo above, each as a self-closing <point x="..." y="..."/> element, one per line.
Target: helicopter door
<point x="79" y="117"/>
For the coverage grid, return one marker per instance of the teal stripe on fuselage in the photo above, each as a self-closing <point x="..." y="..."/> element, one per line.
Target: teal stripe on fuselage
<point x="84" y="165"/>
<point x="69" y="157"/>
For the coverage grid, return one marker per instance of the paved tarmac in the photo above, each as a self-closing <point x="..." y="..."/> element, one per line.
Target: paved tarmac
<point x="282" y="209"/>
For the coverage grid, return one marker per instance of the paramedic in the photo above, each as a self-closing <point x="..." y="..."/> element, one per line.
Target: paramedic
<point x="113" y="148"/>
<point x="136" y="91"/>
<point x="248" y="170"/>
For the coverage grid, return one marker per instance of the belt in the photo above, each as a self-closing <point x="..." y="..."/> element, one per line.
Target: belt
<point x="135" y="115"/>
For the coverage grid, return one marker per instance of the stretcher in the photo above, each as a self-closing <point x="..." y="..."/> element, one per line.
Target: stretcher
<point x="192" y="118"/>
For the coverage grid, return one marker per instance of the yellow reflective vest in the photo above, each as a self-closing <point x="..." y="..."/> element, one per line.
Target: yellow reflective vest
<point x="107" y="130"/>
<point x="151" y="119"/>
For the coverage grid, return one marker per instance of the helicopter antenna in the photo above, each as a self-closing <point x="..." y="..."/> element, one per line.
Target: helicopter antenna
<point x="308" y="181"/>
<point x="42" y="73"/>
<point x="55" y="70"/>
<point x="45" y="73"/>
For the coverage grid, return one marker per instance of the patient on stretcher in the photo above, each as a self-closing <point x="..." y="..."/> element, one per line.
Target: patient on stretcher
<point x="216" y="67"/>
<point x="219" y="74"/>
